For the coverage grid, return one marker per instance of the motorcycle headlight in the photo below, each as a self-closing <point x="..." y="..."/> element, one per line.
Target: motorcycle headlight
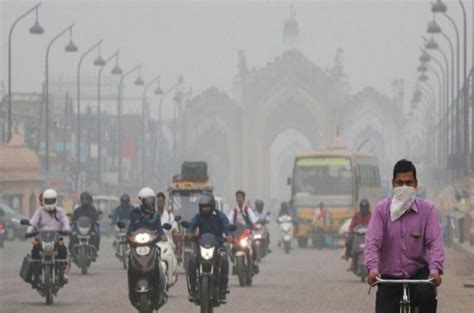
<point x="362" y="245"/>
<point x="207" y="253"/>
<point x="257" y="236"/>
<point x="47" y="246"/>
<point x="244" y="243"/>
<point x="84" y="230"/>
<point x="143" y="250"/>
<point x="142" y="238"/>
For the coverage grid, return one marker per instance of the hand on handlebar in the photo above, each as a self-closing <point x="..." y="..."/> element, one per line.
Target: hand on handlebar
<point x="229" y="239"/>
<point x="372" y="277"/>
<point x="436" y="277"/>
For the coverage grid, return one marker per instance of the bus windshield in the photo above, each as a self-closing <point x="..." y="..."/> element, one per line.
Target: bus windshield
<point x="323" y="176"/>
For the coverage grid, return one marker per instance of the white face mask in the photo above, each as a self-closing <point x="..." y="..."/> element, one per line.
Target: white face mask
<point x="402" y="200"/>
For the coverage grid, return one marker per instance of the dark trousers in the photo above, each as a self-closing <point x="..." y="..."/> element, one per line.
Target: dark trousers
<point x="349" y="241"/>
<point x="192" y="273"/>
<point x="422" y="296"/>
<point x="461" y="229"/>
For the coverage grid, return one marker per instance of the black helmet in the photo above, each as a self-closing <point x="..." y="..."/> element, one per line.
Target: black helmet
<point x="125" y="200"/>
<point x="259" y="205"/>
<point x="86" y="199"/>
<point x="207" y="199"/>
<point x="364" y="206"/>
<point x="284" y="205"/>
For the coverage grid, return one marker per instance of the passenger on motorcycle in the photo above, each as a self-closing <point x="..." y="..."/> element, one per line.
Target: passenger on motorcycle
<point x="209" y="220"/>
<point x="48" y="216"/>
<point x="360" y="218"/>
<point x="263" y="217"/>
<point x="88" y="210"/>
<point x="165" y="215"/>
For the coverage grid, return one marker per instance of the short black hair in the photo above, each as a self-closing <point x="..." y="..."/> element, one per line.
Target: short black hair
<point x="161" y="195"/>
<point x="404" y="166"/>
<point x="240" y="192"/>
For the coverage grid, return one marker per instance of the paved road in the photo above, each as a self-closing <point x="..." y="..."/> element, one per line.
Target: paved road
<point x="305" y="281"/>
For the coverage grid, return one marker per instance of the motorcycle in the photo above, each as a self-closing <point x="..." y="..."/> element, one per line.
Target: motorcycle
<point x="358" y="245"/>
<point x="146" y="290"/>
<point x="208" y="273"/>
<point x="285" y="225"/>
<point x="83" y="251"/>
<point x="52" y="269"/>
<point x="121" y="246"/>
<point x="242" y="255"/>
<point x="260" y="241"/>
<point x="169" y="263"/>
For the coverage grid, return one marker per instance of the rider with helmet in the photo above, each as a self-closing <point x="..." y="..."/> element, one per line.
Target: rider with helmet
<point x="123" y="211"/>
<point x="88" y="210"/>
<point x="145" y="215"/>
<point x="49" y="216"/>
<point x="360" y="218"/>
<point x="210" y="220"/>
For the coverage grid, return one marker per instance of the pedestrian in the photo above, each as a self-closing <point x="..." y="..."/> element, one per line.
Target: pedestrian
<point x="404" y="241"/>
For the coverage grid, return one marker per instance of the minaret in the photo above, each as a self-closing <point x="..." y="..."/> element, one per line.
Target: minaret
<point x="290" y="30"/>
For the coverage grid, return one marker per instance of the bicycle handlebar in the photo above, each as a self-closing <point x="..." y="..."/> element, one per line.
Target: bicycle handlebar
<point x="401" y="282"/>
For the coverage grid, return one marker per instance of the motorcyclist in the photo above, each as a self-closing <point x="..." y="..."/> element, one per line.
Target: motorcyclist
<point x="243" y="215"/>
<point x="209" y="220"/>
<point x="49" y="216"/>
<point x="121" y="214"/>
<point x="263" y="217"/>
<point x="165" y="215"/>
<point x="360" y="218"/>
<point x="144" y="216"/>
<point x="86" y="209"/>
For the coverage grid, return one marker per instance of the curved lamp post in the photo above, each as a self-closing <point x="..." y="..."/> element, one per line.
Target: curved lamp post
<point x="36" y="29"/>
<point x="115" y="71"/>
<point x="70" y="47"/>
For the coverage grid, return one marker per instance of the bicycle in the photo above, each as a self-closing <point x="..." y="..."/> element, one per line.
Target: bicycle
<point x="405" y="304"/>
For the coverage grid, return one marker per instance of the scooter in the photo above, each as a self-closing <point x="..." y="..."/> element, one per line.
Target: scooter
<point x="285" y="225"/>
<point x="260" y="241"/>
<point x="358" y="245"/>
<point x="168" y="260"/>
<point x="146" y="280"/>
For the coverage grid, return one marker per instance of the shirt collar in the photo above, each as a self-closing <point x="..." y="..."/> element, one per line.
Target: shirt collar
<point x="414" y="206"/>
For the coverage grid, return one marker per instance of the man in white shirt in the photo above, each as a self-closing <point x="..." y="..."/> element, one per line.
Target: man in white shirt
<point x="165" y="216"/>
<point x="242" y="214"/>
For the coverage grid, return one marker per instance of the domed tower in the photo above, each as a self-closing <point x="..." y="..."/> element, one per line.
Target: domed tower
<point x="20" y="181"/>
<point x="290" y="30"/>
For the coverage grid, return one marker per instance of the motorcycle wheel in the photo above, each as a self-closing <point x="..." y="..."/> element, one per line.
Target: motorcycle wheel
<point x="260" y="253"/>
<point x="186" y="258"/>
<point x="144" y="304"/>
<point x="241" y="272"/>
<point x="83" y="260"/>
<point x="48" y="286"/>
<point x="123" y="257"/>
<point x="287" y="246"/>
<point x="204" y="297"/>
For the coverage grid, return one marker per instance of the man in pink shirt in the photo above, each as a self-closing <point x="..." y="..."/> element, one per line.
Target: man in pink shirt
<point x="404" y="240"/>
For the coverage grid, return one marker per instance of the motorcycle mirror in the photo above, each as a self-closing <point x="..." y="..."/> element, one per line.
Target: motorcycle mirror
<point x="185" y="224"/>
<point x="167" y="226"/>
<point x="177" y="218"/>
<point x="121" y="224"/>
<point x="25" y="222"/>
<point x="232" y="227"/>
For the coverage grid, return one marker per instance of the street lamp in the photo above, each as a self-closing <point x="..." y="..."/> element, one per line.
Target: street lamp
<point x="144" y="122"/>
<point x="439" y="7"/>
<point x="36" y="29"/>
<point x="178" y="83"/>
<point x="96" y="45"/>
<point x="433" y="27"/>
<point x="68" y="48"/>
<point x="115" y="71"/>
<point x="138" y="82"/>
<point x="422" y="68"/>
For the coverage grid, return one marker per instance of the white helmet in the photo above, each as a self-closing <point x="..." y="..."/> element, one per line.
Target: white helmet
<point x="50" y="199"/>
<point x="146" y="192"/>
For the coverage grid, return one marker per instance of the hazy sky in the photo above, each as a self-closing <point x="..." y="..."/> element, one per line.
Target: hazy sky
<point x="381" y="39"/>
